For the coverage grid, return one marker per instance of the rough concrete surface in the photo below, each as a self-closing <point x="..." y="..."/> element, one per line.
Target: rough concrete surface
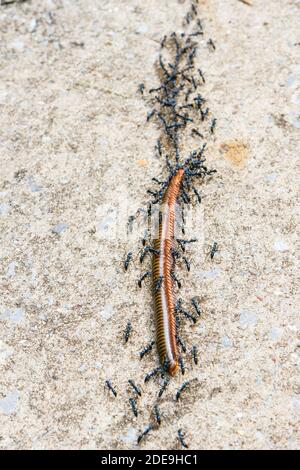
<point x="75" y="148"/>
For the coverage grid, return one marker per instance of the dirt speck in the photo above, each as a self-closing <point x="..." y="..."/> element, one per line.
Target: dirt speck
<point x="142" y="162"/>
<point x="280" y="121"/>
<point x="236" y="152"/>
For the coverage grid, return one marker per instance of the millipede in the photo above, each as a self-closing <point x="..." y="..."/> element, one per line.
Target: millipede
<point x="163" y="266"/>
<point x="163" y="262"/>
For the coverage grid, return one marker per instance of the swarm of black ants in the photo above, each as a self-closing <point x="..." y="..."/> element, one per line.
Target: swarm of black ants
<point x="176" y="106"/>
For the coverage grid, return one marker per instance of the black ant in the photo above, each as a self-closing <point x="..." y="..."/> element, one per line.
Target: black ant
<point x="131" y="219"/>
<point x="181" y="363"/>
<point x="181" y="439"/>
<point x="127" y="260"/>
<point x="213" y="125"/>
<point x="197" y="194"/>
<point x="141" y="88"/>
<point x="150" y="114"/>
<point x="110" y="387"/>
<point x="163" y="41"/>
<point x="135" y="387"/>
<point x="175" y="279"/>
<point x="158" y="284"/>
<point x="127" y="331"/>
<point x="158" y="147"/>
<point x="201" y="75"/>
<point x="187" y="263"/>
<point x="157" y="415"/>
<point x="147" y="274"/>
<point x="213" y="250"/>
<point x="147" y="349"/>
<point x="181" y="343"/>
<point x="196" y="306"/>
<point x="148" y="249"/>
<point x="179" y="308"/>
<point x="211" y="44"/>
<point x="199" y="24"/>
<point x="163" y="387"/>
<point x="204" y="113"/>
<point x="181" y="389"/>
<point x="195" y="132"/>
<point x="182" y="243"/>
<point x="152" y="374"/>
<point x="133" y="406"/>
<point x="145" y="432"/>
<point x="195" y="354"/>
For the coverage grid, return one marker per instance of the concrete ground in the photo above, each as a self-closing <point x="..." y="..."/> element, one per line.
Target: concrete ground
<point x="76" y="153"/>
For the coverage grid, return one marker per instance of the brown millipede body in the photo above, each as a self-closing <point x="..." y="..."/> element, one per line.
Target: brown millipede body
<point x="162" y="268"/>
